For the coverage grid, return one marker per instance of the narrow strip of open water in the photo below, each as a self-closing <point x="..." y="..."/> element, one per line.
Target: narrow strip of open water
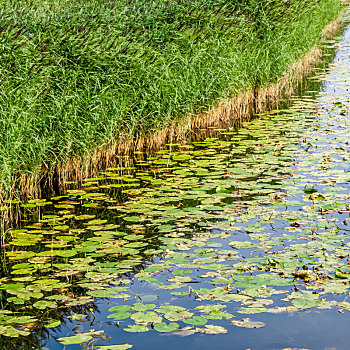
<point x="237" y="241"/>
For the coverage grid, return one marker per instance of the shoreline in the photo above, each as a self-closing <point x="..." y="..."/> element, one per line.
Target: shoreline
<point x="235" y="111"/>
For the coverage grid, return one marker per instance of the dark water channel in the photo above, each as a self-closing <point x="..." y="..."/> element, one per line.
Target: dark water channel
<point x="237" y="241"/>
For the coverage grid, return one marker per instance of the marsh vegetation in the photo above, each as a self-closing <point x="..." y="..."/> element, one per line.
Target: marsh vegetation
<point x="79" y="76"/>
<point x="229" y="235"/>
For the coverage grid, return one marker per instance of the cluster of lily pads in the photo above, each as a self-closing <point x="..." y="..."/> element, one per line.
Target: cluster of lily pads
<point x="197" y="237"/>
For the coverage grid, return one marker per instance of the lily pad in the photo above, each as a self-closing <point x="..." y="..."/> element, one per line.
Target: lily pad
<point x="164" y="327"/>
<point x="196" y="321"/>
<point x="143" y="307"/>
<point x="53" y="324"/>
<point x="120" y="308"/>
<point x="75" y="339"/>
<point x="247" y="323"/>
<point x="136" y="329"/>
<point x="118" y="316"/>
<point x="146" y="317"/>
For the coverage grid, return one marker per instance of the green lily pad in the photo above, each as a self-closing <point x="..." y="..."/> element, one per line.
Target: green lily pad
<point x="136" y="329"/>
<point x="149" y="297"/>
<point x="143" y="307"/>
<point x="305" y="303"/>
<point x="43" y="304"/>
<point x="196" y="321"/>
<point x="120" y="308"/>
<point x="53" y="324"/>
<point x="177" y="315"/>
<point x="118" y="316"/>
<point x="163" y="327"/>
<point x="75" y="339"/>
<point x="146" y="317"/>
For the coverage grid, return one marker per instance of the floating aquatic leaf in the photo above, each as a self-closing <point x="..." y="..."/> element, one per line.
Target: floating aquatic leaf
<point x="146" y="317"/>
<point x="247" y="323"/>
<point x="164" y="327"/>
<point x="251" y="310"/>
<point x="212" y="329"/>
<point x="105" y="293"/>
<point x="181" y="272"/>
<point x="136" y="329"/>
<point x="169" y="308"/>
<point x="196" y="321"/>
<point x="78" y="317"/>
<point x="53" y="324"/>
<point x="12" y="332"/>
<point x="149" y="297"/>
<point x="121" y="315"/>
<point x="97" y="222"/>
<point x="43" y="304"/>
<point x="143" y="307"/>
<point x="120" y="308"/>
<point x="75" y="339"/>
<point x="185" y="331"/>
<point x="132" y="218"/>
<point x="305" y="303"/>
<point x="114" y="347"/>
<point x="66" y="253"/>
<point x="177" y="315"/>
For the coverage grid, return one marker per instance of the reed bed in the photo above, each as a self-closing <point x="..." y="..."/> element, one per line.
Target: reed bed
<point x="80" y="81"/>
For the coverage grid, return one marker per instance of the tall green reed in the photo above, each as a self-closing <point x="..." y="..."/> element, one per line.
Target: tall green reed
<point x="75" y="75"/>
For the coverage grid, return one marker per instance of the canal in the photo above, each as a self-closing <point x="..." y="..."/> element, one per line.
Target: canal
<point x="234" y="239"/>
